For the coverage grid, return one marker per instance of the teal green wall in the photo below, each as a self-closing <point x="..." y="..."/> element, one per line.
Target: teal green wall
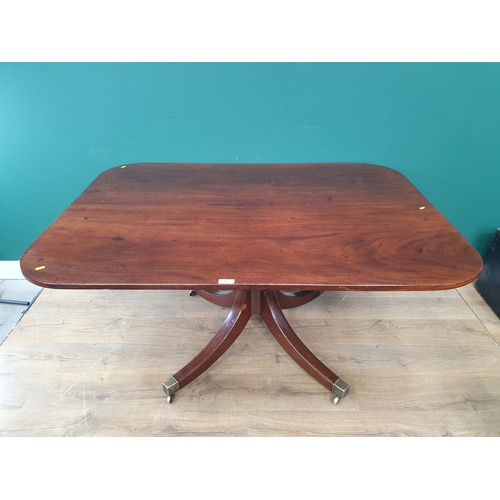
<point x="63" y="124"/>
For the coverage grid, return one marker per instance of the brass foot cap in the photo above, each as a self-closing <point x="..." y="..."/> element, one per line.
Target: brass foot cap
<point x="171" y="386"/>
<point x="340" y="388"/>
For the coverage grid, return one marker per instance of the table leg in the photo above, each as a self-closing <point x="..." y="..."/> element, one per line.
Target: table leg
<point x="223" y="298"/>
<point x="296" y="349"/>
<point x="229" y="331"/>
<point x="288" y="300"/>
<point x="269" y="305"/>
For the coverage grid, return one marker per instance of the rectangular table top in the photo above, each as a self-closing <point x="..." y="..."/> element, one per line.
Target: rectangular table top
<point x="335" y="226"/>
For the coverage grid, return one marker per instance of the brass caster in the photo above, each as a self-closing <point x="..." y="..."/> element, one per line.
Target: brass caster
<point x="192" y="293"/>
<point x="170" y="387"/>
<point x="340" y="390"/>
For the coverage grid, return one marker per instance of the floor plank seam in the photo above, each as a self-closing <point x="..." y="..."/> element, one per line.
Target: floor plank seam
<point x="478" y="318"/>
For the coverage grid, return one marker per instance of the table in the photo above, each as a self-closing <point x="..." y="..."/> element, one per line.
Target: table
<point x="255" y="238"/>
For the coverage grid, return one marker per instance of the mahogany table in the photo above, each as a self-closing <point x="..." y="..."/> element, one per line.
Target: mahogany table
<point x="255" y="238"/>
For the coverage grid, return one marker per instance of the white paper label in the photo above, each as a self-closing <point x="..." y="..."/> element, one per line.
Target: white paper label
<point x="226" y="281"/>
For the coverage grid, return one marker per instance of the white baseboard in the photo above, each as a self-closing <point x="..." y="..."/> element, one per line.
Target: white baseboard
<point x="10" y="270"/>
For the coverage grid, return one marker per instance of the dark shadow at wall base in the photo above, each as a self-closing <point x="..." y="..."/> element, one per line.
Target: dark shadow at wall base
<point x="488" y="283"/>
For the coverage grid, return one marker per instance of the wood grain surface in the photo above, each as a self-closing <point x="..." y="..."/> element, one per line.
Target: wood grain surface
<point x="281" y="227"/>
<point x="91" y="363"/>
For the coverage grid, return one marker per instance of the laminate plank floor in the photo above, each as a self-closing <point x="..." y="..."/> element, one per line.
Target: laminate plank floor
<point x="91" y="363"/>
<point x="18" y="290"/>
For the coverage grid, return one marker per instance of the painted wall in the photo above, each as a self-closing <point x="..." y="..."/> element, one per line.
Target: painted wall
<point x="63" y="124"/>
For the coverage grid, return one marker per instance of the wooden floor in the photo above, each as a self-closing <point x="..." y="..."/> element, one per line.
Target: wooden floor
<point x="91" y="363"/>
<point x="14" y="290"/>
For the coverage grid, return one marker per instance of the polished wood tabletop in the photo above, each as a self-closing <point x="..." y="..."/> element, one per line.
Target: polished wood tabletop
<point x="255" y="238"/>
<point x="332" y="226"/>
